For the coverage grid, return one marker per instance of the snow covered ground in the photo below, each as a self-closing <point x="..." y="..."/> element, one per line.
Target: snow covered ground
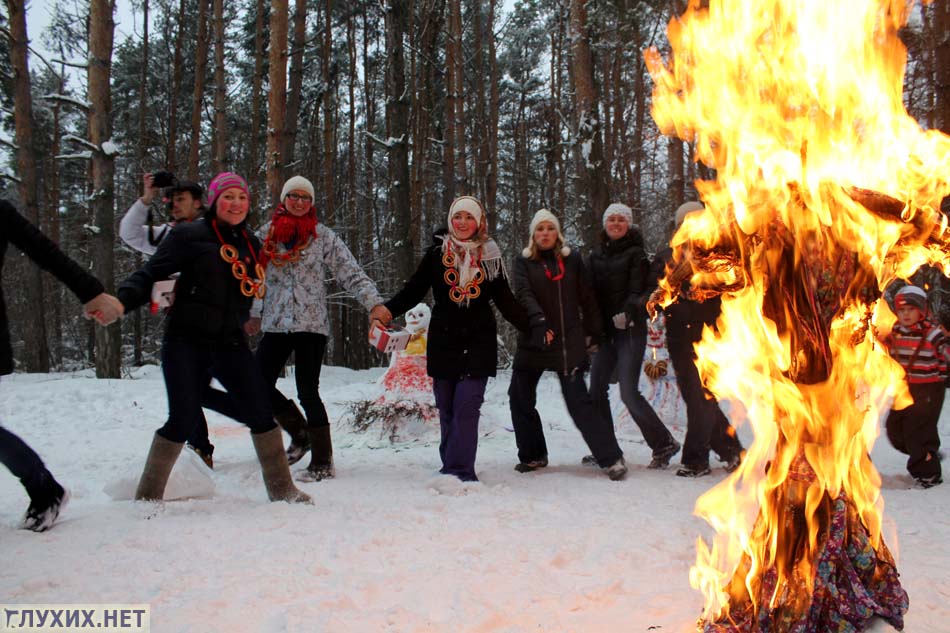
<point x="388" y="546"/>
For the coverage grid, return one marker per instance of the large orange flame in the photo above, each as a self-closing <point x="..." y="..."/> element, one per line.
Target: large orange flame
<point x="822" y="181"/>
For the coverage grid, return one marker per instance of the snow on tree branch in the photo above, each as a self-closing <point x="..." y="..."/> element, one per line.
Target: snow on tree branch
<point x="78" y="156"/>
<point x="9" y="176"/>
<point x="68" y="100"/>
<point x="388" y="143"/>
<point x="81" y="141"/>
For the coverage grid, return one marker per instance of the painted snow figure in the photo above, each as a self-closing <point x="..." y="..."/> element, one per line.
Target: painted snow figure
<point x="406" y="376"/>
<point x="658" y="382"/>
<point x="405" y="406"/>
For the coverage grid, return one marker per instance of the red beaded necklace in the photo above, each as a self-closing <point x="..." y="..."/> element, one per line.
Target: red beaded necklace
<point x="249" y="287"/>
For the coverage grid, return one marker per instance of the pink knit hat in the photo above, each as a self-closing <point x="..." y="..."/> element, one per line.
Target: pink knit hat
<point x="224" y="180"/>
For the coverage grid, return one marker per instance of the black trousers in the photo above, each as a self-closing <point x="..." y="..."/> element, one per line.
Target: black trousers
<point x="913" y="431"/>
<point x="308" y="349"/>
<point x="597" y="430"/>
<point x="187" y="368"/>
<point x="706" y="425"/>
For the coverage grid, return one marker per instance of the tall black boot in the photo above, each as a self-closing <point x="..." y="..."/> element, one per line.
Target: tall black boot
<point x="321" y="455"/>
<point x="292" y="420"/>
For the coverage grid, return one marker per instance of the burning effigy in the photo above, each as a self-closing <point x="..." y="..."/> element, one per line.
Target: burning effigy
<point x="825" y="191"/>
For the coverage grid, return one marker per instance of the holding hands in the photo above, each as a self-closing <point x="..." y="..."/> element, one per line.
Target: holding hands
<point x="104" y="308"/>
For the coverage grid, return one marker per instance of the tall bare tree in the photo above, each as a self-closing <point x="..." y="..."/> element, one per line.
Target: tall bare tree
<point x="219" y="137"/>
<point x="254" y="156"/>
<point x="277" y="98"/>
<point x="941" y="19"/>
<point x="197" y="99"/>
<point x="102" y="198"/>
<point x="36" y="351"/>
<point x="329" y="115"/>
<point x="171" y="149"/>
<point x="294" y="93"/>
<point x="140" y="151"/>
<point x="588" y="139"/>
<point x="397" y="118"/>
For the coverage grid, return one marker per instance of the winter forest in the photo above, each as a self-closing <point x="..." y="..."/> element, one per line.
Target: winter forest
<point x="391" y="108"/>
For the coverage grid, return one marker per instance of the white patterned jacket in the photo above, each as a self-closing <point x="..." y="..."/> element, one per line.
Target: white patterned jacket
<point x="296" y="298"/>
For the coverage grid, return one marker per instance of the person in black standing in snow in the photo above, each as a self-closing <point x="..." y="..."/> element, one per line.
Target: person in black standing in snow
<point x="47" y="496"/>
<point x="620" y="272"/>
<point x="464" y="269"/>
<point x="551" y="282"/>
<point x="137" y="230"/>
<point x="706" y="425"/>
<point x="218" y="259"/>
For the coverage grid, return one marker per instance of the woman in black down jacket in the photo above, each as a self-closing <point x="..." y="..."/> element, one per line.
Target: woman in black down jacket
<point x="552" y="284"/>
<point x="463" y="267"/>
<point x="706" y="425"/>
<point x="220" y="276"/>
<point x="620" y="272"/>
<point x="47" y="496"/>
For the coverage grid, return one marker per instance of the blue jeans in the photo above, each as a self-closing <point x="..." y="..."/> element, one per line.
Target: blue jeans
<point x="460" y="405"/>
<point x="623" y="350"/>
<point x="186" y="368"/>
<point x="24" y="463"/>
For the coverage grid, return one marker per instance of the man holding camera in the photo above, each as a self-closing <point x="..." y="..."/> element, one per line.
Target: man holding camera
<point x="182" y="198"/>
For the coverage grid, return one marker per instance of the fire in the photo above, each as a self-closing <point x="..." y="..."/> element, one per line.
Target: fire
<point x="826" y="190"/>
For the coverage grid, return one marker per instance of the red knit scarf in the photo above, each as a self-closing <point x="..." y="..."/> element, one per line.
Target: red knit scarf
<point x="292" y="229"/>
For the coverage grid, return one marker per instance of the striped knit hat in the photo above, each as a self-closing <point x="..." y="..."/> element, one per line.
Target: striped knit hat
<point x="912" y="296"/>
<point x="224" y="180"/>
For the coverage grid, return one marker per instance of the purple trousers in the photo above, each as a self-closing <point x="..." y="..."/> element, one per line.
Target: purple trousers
<point x="460" y="404"/>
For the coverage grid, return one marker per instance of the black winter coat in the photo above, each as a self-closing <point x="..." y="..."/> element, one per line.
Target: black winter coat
<point x="17" y="230"/>
<point x="685" y="318"/>
<point x="209" y="307"/>
<point x="568" y="307"/>
<point x="620" y="272"/>
<point x="463" y="339"/>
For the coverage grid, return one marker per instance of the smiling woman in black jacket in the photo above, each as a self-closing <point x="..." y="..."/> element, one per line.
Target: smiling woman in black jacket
<point x="463" y="267"/>
<point x="220" y="276"/>
<point x="620" y="272"/>
<point x="551" y="282"/>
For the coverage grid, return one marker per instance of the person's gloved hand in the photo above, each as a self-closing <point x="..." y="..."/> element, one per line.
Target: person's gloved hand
<point x="620" y="320"/>
<point x="539" y="336"/>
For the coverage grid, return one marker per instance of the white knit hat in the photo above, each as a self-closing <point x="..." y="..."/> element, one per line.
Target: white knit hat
<point x="618" y="208"/>
<point x="686" y="208"/>
<point x="543" y="215"/>
<point x="297" y="182"/>
<point x="469" y="204"/>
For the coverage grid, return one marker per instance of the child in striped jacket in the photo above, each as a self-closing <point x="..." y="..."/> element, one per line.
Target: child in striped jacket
<point x="923" y="351"/>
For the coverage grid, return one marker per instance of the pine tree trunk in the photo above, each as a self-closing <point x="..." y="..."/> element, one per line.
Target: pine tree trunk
<point x="171" y="154"/>
<point x="494" y="114"/>
<point x="35" y="355"/>
<point x="140" y="152"/>
<point x="102" y="197"/>
<point x="329" y="118"/>
<point x="201" y="63"/>
<point x="941" y="30"/>
<point x="35" y="351"/>
<point x="277" y="98"/>
<point x="593" y="173"/>
<point x="254" y="161"/>
<point x="219" y="143"/>
<point x="397" y="116"/>
<point x="292" y="115"/>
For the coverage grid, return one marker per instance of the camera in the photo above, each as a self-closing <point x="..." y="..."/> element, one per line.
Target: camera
<point x="164" y="179"/>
